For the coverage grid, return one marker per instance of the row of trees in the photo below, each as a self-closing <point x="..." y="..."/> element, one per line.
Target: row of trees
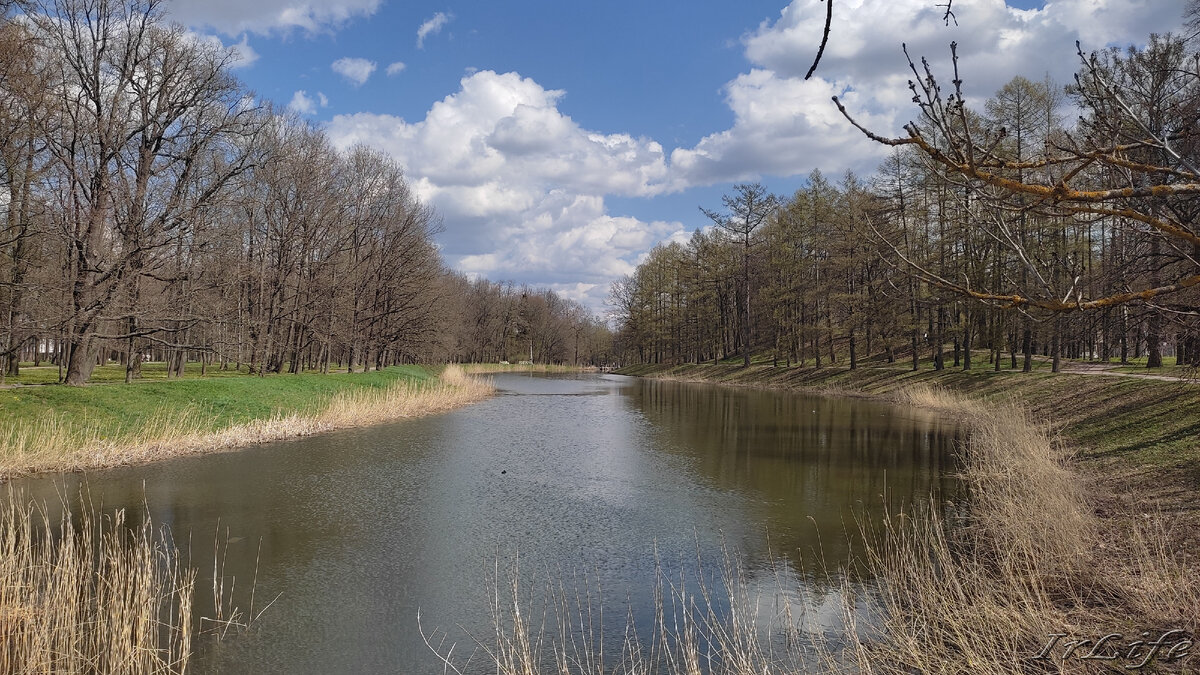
<point x="1003" y="229"/>
<point x="152" y="207"/>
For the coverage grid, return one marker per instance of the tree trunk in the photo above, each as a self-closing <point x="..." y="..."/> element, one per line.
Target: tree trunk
<point x="81" y="361"/>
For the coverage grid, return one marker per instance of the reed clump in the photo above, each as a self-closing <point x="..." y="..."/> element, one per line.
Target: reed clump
<point x="1026" y="559"/>
<point x="62" y="442"/>
<point x="1029" y="560"/>
<point x="702" y="625"/>
<point x="98" y="596"/>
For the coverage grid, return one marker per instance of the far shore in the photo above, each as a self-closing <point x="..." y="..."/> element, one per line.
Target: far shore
<point x="1133" y="438"/>
<point x="63" y="429"/>
<point x="1082" y="516"/>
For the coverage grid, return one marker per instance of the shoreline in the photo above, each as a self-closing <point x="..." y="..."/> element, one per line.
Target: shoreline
<point x="58" y="444"/>
<point x="1078" y="526"/>
<point x="1134" y="441"/>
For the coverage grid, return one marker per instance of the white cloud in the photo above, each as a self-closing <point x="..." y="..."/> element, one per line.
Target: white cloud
<point x="357" y="70"/>
<point x="244" y="54"/>
<point x="568" y="242"/>
<point x="432" y="26"/>
<point x="523" y="187"/>
<point x="302" y="104"/>
<point x="395" y="68"/>
<point x="503" y="138"/>
<point x="323" y="99"/>
<point x="241" y="54"/>
<point x="784" y="125"/>
<point x="233" y="17"/>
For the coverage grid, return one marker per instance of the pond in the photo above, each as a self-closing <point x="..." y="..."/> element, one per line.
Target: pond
<point x="602" y="483"/>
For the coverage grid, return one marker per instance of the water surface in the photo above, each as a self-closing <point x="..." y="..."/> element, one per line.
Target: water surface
<point x="594" y="477"/>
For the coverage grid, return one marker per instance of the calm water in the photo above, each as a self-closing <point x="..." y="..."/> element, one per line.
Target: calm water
<point x="583" y="477"/>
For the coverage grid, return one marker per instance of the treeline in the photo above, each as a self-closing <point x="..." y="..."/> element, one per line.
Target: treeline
<point x="506" y="322"/>
<point x="995" y="234"/>
<point x="151" y="207"/>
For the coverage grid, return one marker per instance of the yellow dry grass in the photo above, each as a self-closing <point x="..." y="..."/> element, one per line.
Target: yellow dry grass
<point x="100" y="596"/>
<point x="57" y="443"/>
<point x="1027" y="558"/>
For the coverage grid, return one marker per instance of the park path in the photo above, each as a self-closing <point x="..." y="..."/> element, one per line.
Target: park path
<point x="1108" y="369"/>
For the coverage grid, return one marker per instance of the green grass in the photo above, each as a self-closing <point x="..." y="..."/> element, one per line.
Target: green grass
<point x="115" y="372"/>
<point x="118" y="410"/>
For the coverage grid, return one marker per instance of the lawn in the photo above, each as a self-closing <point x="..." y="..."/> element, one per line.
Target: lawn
<point x="221" y="399"/>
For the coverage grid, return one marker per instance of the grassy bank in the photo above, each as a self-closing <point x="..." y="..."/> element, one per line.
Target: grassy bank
<point x="1046" y="555"/>
<point x="55" y="428"/>
<point x="1039" y="555"/>
<point x="1121" y="423"/>
<point x="488" y="368"/>
<point x="1081" y="524"/>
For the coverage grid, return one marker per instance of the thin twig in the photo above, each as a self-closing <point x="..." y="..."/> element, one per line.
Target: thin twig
<point x="824" y="38"/>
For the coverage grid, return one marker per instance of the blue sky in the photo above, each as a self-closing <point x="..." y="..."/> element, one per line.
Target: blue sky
<point x="560" y="141"/>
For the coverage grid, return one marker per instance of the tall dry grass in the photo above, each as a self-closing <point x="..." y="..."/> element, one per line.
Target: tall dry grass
<point x="453" y="388"/>
<point x="1027" y="558"/>
<point x="61" y="443"/>
<point x="1030" y="559"/>
<point x="702" y="625"/>
<point x="100" y="596"/>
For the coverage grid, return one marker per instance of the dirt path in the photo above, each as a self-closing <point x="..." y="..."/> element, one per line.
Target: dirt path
<point x="1108" y="369"/>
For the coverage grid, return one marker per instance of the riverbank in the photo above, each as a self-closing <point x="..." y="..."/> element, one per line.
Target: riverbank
<point x="1140" y="430"/>
<point x="491" y="368"/>
<point x="56" y="428"/>
<point x="1081" y="524"/>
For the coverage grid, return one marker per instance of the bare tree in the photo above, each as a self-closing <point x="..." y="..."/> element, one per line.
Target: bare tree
<point x="153" y="127"/>
<point x="1061" y="182"/>
<point x="747" y="209"/>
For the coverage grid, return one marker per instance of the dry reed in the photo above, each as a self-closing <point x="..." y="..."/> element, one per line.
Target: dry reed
<point x="1029" y="560"/>
<point x="1026" y="559"/>
<point x="701" y="626"/>
<point x="59" y="443"/>
<point x="103" y="596"/>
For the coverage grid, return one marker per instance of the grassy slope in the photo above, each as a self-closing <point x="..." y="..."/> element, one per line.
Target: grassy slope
<point x="120" y="410"/>
<point x="1117" y="422"/>
<point x="113" y="372"/>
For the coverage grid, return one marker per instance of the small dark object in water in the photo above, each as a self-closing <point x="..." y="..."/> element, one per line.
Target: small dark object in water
<point x="503" y="471"/>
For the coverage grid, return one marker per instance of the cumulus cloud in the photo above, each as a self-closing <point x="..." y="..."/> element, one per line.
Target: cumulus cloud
<point x="395" y="68"/>
<point x="301" y="103"/>
<point x="357" y="70"/>
<point x="568" y="242"/>
<point x="784" y="125"/>
<point x="523" y="186"/>
<point x="233" y="17"/>
<point x="995" y="41"/>
<point x="501" y="141"/>
<point x="241" y="54"/>
<point x="432" y="26"/>
<point x="521" y="183"/>
<point x="304" y="104"/>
